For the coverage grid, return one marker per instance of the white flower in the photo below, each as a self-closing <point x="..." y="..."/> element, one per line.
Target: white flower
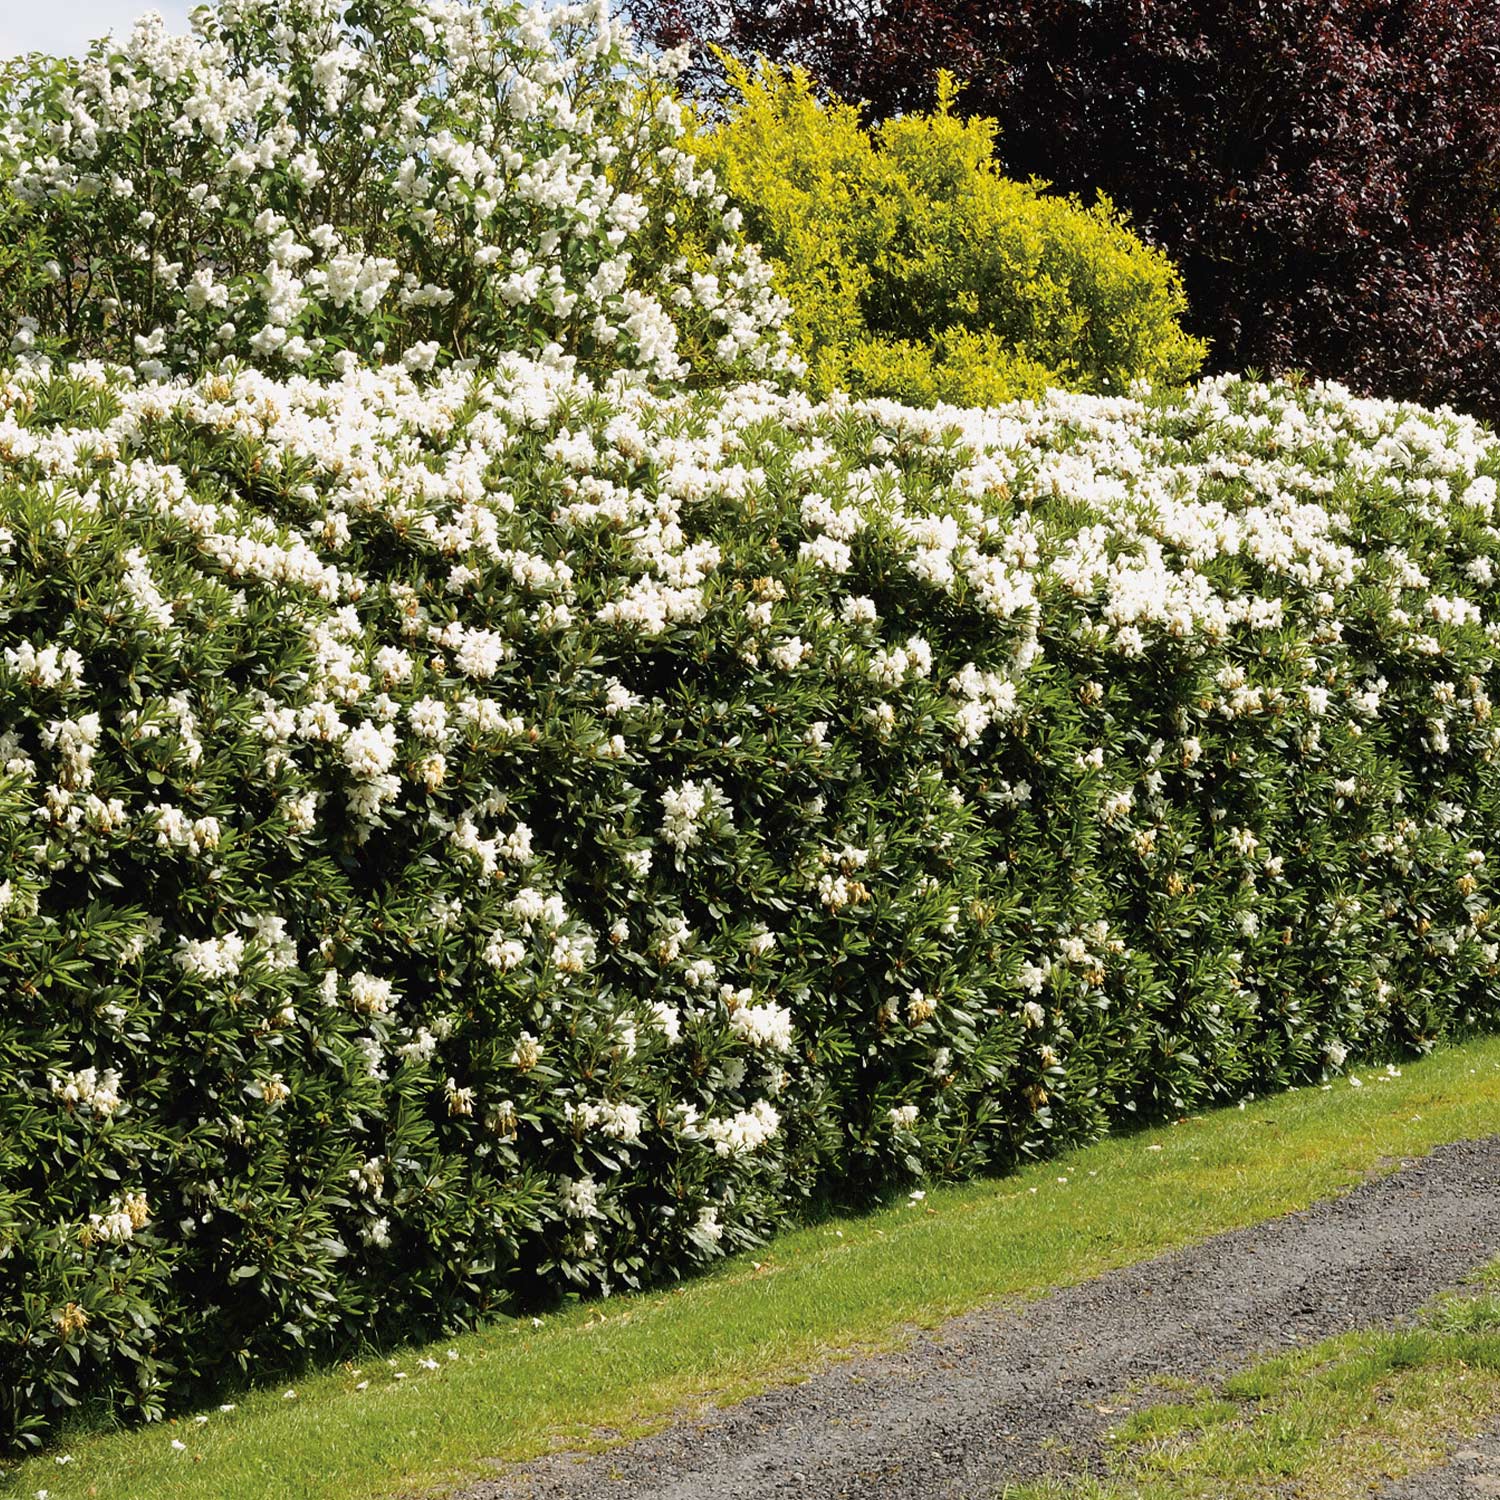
<point x="301" y="812"/>
<point x="743" y="1132"/>
<point x="760" y="941"/>
<point x="504" y="953"/>
<point x="429" y="718"/>
<point x="621" y="1122"/>
<point x="765" y="1025"/>
<point x="579" y="1197"/>
<point x="370" y="996"/>
<point x="618" y="699"/>
<point x="420" y="1048"/>
<point x="686" y="808"/>
<point x="667" y="1019"/>
<point x="88" y="1088"/>
<point x="789" y="654"/>
<point x="480" y="653"/>
<point x="125" y="1213"/>
<point x="707" y="1226"/>
<point x="211" y="958"/>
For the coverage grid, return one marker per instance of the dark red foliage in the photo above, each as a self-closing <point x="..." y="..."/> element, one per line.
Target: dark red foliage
<point x="1325" y="172"/>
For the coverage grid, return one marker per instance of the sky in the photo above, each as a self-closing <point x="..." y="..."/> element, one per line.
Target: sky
<point x="60" y="26"/>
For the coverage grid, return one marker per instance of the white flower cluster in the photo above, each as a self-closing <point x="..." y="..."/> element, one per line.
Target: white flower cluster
<point x="211" y="959"/>
<point x="686" y="809"/>
<point x="764" y="1025"/>
<point x="126" y="1213"/>
<point x="98" y="1092"/>
<point x="745" y="1131"/>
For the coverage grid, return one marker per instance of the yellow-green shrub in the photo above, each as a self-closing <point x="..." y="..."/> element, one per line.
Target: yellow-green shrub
<point x="916" y="270"/>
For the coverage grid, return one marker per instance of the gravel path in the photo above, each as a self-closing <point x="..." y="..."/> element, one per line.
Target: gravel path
<point x="1010" y="1393"/>
<point x="1473" y="1473"/>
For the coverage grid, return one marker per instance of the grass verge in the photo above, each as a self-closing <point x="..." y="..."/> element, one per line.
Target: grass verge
<point x="618" y="1368"/>
<point x="1333" y="1421"/>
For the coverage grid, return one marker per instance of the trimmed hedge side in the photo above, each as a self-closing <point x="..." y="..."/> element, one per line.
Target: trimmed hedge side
<point x="466" y="840"/>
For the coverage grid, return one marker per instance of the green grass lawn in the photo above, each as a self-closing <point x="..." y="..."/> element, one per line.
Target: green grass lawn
<point x="1333" y="1421"/>
<point x="621" y="1367"/>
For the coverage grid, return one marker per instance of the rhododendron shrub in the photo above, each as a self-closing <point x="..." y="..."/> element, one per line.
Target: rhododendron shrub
<point x="468" y="840"/>
<point x="298" y="182"/>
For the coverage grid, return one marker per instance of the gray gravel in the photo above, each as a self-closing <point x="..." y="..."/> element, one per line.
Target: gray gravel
<point x="1472" y="1473"/>
<point x="1014" y="1392"/>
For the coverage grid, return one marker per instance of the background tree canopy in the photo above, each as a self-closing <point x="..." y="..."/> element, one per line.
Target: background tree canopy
<point x="1322" y="171"/>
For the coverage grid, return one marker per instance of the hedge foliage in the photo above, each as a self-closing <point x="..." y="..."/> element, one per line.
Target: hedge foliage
<point x="474" y="838"/>
<point x="916" y="270"/>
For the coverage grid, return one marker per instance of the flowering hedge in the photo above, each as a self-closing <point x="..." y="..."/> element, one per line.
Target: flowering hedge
<point x="471" y="838"/>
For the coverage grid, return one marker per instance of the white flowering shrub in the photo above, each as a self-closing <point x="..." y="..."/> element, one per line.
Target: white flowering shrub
<point x="469" y="838"/>
<point x="300" y="182"/>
